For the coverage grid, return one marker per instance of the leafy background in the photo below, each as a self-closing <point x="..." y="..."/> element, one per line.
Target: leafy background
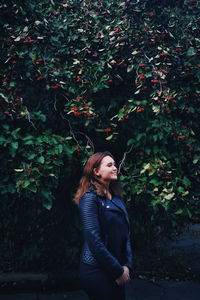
<point x="84" y="76"/>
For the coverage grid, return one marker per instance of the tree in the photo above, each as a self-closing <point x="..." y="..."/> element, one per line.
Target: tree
<point x="83" y="76"/>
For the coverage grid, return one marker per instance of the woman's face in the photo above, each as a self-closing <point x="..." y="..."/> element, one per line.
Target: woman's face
<point x="107" y="170"/>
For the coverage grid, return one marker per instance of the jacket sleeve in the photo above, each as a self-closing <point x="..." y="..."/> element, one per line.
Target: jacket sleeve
<point x="128" y="254"/>
<point x="88" y="207"/>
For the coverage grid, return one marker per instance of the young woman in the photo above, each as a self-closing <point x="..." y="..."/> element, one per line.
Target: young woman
<point x="106" y="259"/>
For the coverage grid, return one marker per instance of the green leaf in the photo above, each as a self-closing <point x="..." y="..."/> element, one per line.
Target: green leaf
<point x="48" y="205"/>
<point x="140" y="136"/>
<point x="19" y="170"/>
<point x="4" y="97"/>
<point x="155" y="138"/>
<point x="15" y="145"/>
<point x="32" y="188"/>
<point x="109" y="137"/>
<point x="183" y="211"/>
<point x="40" y="159"/>
<point x="196" y="159"/>
<point x="130" y="68"/>
<point x="31" y="156"/>
<point x="12" y="84"/>
<point x="145" y="167"/>
<point x="60" y="148"/>
<point x="148" y="74"/>
<point x="26" y="183"/>
<point x="17" y="39"/>
<point x="2" y="140"/>
<point x="191" y="51"/>
<point x="43" y="118"/>
<point x="134" y="52"/>
<point x="29" y="142"/>
<point x="47" y="199"/>
<point x="99" y="130"/>
<point x="181" y="190"/>
<point x="130" y="142"/>
<point x="179" y="211"/>
<point x="169" y="196"/>
<point x="6" y="126"/>
<point x="155" y="182"/>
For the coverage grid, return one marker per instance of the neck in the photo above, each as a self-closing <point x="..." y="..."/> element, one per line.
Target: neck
<point x="106" y="185"/>
<point x="106" y="190"/>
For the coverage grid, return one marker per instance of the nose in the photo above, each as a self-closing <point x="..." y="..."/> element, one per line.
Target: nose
<point x="114" y="168"/>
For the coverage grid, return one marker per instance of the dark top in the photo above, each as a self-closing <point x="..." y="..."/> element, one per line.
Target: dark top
<point x="107" y="234"/>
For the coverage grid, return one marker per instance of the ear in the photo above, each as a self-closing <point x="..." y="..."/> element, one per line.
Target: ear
<point x="96" y="172"/>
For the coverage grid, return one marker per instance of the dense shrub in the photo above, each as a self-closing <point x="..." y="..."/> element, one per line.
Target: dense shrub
<point x="84" y="76"/>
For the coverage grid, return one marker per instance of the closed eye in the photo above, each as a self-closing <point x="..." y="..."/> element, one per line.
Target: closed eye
<point x="111" y="164"/>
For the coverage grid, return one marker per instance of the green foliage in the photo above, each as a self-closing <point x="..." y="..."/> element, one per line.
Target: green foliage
<point x="83" y="76"/>
<point x="34" y="162"/>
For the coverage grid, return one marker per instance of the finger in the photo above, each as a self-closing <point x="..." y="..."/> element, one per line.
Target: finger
<point x="118" y="281"/>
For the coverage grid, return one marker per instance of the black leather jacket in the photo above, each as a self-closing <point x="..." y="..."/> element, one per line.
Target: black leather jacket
<point x="107" y="234"/>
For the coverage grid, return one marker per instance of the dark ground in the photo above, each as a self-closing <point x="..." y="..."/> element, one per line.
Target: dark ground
<point x="136" y="290"/>
<point x="172" y="272"/>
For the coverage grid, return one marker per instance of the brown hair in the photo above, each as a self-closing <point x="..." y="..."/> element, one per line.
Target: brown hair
<point x="90" y="180"/>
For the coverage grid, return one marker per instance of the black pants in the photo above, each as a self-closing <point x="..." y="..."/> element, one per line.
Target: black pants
<point x="98" y="285"/>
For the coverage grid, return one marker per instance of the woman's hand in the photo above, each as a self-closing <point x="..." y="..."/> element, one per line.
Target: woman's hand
<point x="124" y="277"/>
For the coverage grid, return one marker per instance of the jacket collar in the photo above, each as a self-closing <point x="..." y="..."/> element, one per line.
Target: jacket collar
<point x="117" y="202"/>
